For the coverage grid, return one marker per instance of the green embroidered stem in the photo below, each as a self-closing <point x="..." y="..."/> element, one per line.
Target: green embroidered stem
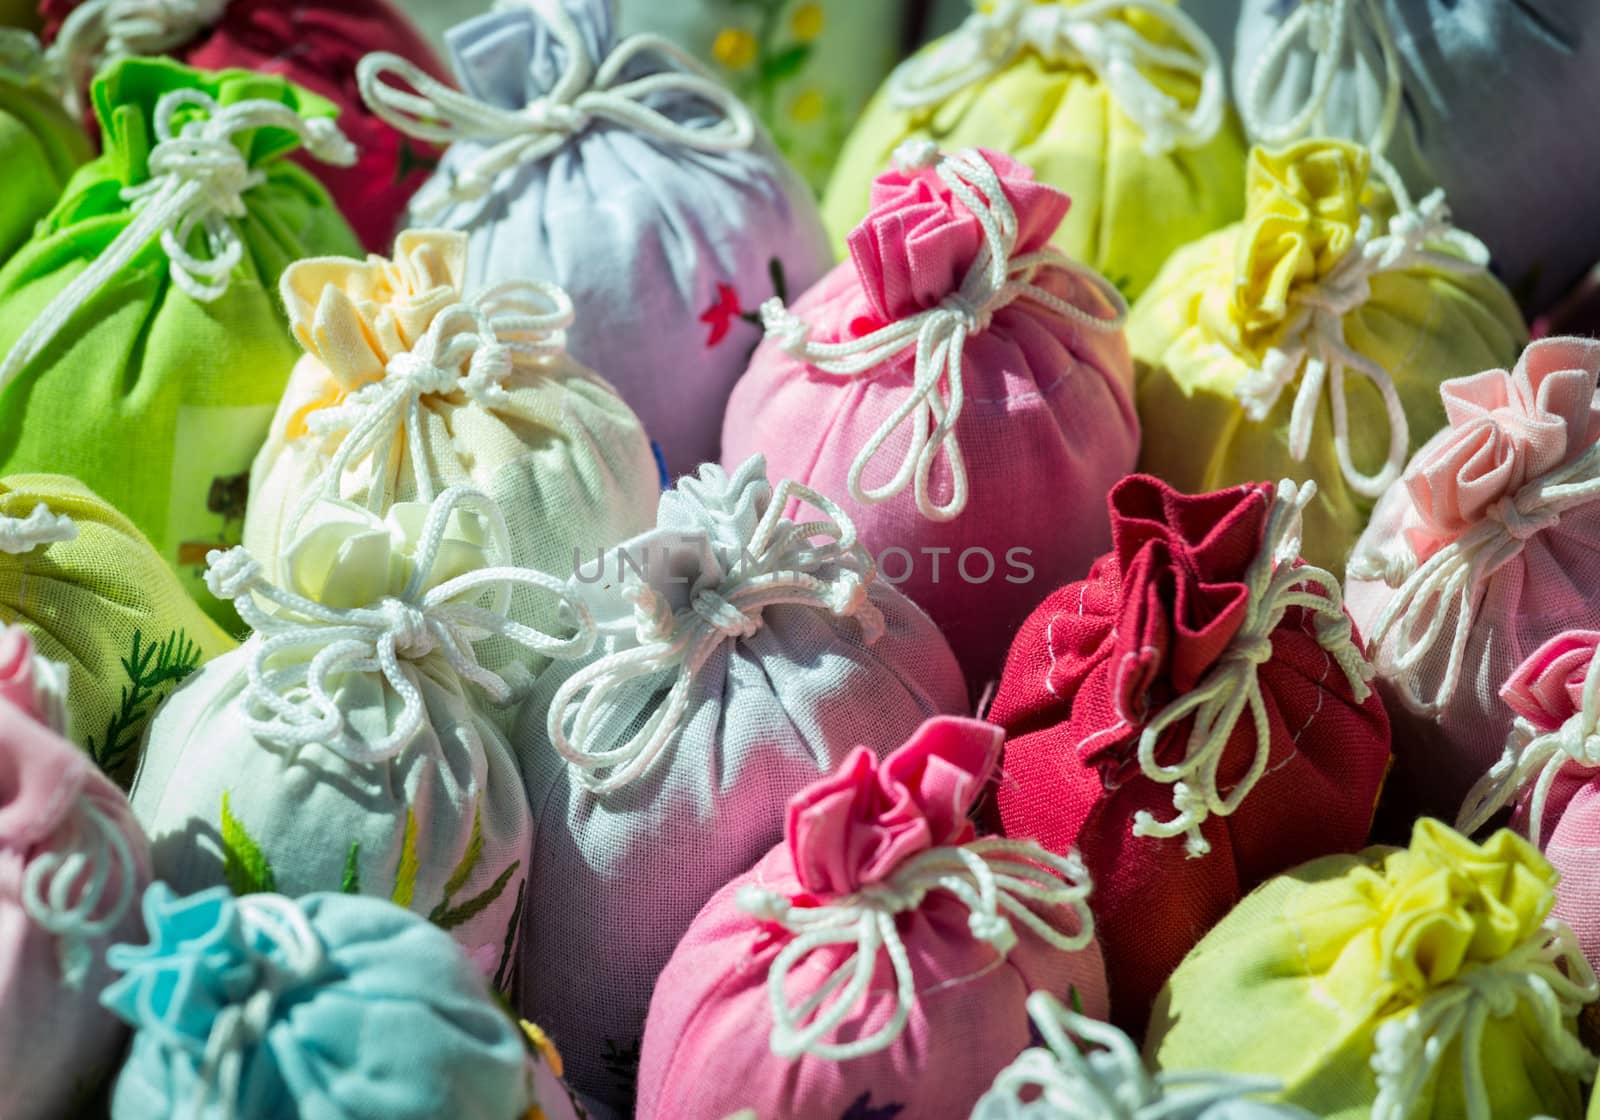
<point x="243" y="864"/>
<point x="405" y="879"/>
<point x="351" y="883"/>
<point x="507" y="951"/>
<point x="446" y="917"/>
<point x="148" y="668"/>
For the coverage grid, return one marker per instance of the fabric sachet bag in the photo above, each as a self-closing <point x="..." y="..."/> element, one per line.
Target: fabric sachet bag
<point x="1309" y="340"/>
<point x="1193" y="717"/>
<point x="1479" y="97"/>
<point x="1419" y="982"/>
<point x="963" y="377"/>
<point x="883" y="951"/>
<point x="622" y="172"/>
<point x="316" y="44"/>
<point x="143" y="347"/>
<point x="743" y="653"/>
<point x="1122" y="106"/>
<point x="409" y="386"/>
<point x="1055" y="1080"/>
<point x="40" y="147"/>
<point x="343" y="747"/>
<point x="1484" y="550"/>
<point x="72" y="862"/>
<point x="95" y="596"/>
<point x="264" y="1007"/>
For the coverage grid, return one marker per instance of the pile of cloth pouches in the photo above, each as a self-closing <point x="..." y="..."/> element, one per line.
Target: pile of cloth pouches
<point x="513" y="606"/>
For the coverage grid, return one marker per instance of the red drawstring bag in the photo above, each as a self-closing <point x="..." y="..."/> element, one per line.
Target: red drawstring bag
<point x="314" y="43"/>
<point x="1194" y="717"/>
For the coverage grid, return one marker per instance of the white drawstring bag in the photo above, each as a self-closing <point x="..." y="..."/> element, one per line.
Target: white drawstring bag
<point x="620" y="170"/>
<point x="742" y="656"/>
<point x="339" y="748"/>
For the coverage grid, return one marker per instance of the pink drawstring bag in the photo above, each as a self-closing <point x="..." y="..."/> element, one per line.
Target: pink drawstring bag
<point x="879" y="961"/>
<point x="72" y="862"/>
<point x="965" y="387"/>
<point x="1487" y="547"/>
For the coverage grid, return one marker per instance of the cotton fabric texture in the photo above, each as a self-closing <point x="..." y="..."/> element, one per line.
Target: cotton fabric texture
<point x="1194" y="714"/>
<point x="1129" y="118"/>
<point x="316" y="44"/>
<point x="742" y="655"/>
<point x="1425" y="981"/>
<point x="56" y="917"/>
<point x="1309" y="341"/>
<point x="1487" y="94"/>
<point x="944" y="460"/>
<point x="878" y="851"/>
<point x="40" y="147"/>
<point x="153" y="397"/>
<point x="1481" y="553"/>
<point x="658" y="206"/>
<point x="94" y="595"/>
<point x="359" y="1009"/>
<point x="395" y="350"/>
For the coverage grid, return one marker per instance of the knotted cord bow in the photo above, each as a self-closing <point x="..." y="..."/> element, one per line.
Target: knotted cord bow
<point x="939" y="335"/>
<point x="1096" y="35"/>
<point x="293" y="705"/>
<point x="1275" y="584"/>
<point x="778" y="566"/>
<point x="99" y="32"/>
<point x="582" y="95"/>
<point x="1312" y="345"/>
<point x="197" y="181"/>
<point x="995" y="879"/>
<point x="1454" y="579"/>
<point x="63" y="891"/>
<point x="1547" y="975"/>
<point x="20" y="535"/>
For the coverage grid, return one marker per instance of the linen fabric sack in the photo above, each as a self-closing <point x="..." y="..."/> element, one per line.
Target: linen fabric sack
<point x="40" y="147"/>
<point x="743" y="653"/>
<point x="622" y="172"/>
<point x="325" y="1006"/>
<point x="408" y="387"/>
<point x="960" y="377"/>
<point x="1194" y="717"/>
<point x="1309" y="340"/>
<point x="94" y="595"/>
<point x="1427" y="981"/>
<point x="1479" y="97"/>
<point x="1125" y="109"/>
<point x="316" y="44"/>
<point x="340" y="748"/>
<point x="1483" y="551"/>
<point x="862" y="959"/>
<point x="72" y="862"/>
<point x="143" y="348"/>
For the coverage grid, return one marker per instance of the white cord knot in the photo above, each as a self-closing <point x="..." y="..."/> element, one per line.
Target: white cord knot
<point x="65" y="891"/>
<point x="408" y="629"/>
<point x="230" y="572"/>
<point x="1521" y="525"/>
<point x="722" y="616"/>
<point x="1388" y="561"/>
<point x="97" y="33"/>
<point x="916" y="154"/>
<point x="555" y="116"/>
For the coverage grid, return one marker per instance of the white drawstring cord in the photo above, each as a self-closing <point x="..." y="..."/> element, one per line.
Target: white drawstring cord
<point x="993" y="878"/>
<point x="20" y="535"/>
<point x="99" y="32"/>
<point x="197" y="181"/>
<point x="1096" y="35"/>
<point x="938" y="336"/>
<point x="62" y="891"/>
<point x="582" y="95"/>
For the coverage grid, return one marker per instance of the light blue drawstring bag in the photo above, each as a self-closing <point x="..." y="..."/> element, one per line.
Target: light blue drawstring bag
<point x="1492" y="100"/>
<point x="330" y="1007"/>
<point x="623" y="172"/>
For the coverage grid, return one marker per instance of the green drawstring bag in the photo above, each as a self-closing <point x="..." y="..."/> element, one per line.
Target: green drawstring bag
<point x="20" y="13"/>
<point x="1121" y="105"/>
<point x="97" y="599"/>
<point x="144" y="345"/>
<point x="40" y="147"/>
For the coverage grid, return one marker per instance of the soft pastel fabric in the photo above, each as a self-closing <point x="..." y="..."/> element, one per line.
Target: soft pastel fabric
<point x="57" y="914"/>
<point x="94" y="595"/>
<point x="320" y="1007"/>
<point x="742" y="656"/>
<point x="396" y="350"/>
<point x="347" y="745"/>
<point x="316" y="44"/>
<point x="1421" y="982"/>
<point x="1309" y="341"/>
<point x="876" y="853"/>
<point x="1193" y="717"/>
<point x="40" y="147"/>
<point x="617" y="170"/>
<point x="1125" y="111"/>
<point x="952" y="503"/>
<point x="1472" y="561"/>
<point x="157" y="385"/>
<point x="1490" y="95"/>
